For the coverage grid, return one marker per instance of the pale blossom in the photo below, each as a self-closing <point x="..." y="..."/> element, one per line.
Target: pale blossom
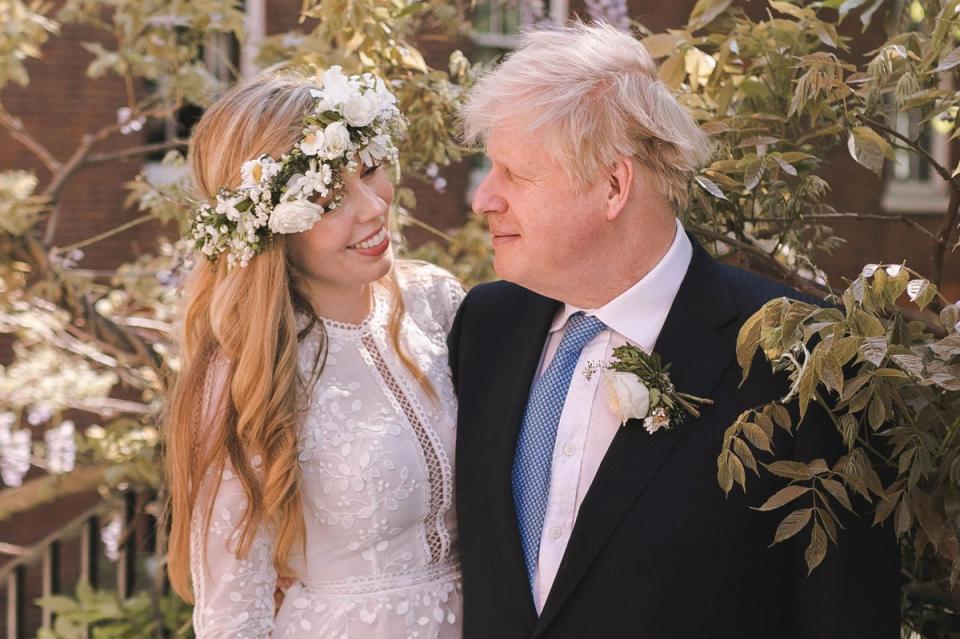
<point x="39" y="414"/>
<point x="258" y="171"/>
<point x="613" y="12"/>
<point x="627" y="396"/>
<point x="14" y="456"/>
<point x="376" y="149"/>
<point x="61" y="447"/>
<point x="656" y="420"/>
<point x="228" y="206"/>
<point x="294" y="217"/>
<point x="110" y="536"/>
<point x="316" y="179"/>
<point x="336" y="140"/>
<point x="336" y="89"/>
<point x="384" y="95"/>
<point x="312" y="143"/>
<point x="361" y="109"/>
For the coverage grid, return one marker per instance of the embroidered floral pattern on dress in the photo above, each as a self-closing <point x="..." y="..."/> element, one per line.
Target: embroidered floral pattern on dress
<point x="377" y="483"/>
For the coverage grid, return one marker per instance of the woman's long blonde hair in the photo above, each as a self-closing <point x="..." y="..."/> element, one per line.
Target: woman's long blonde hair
<point x="242" y="321"/>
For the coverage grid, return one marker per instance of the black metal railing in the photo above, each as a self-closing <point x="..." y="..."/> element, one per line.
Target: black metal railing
<point x="48" y="555"/>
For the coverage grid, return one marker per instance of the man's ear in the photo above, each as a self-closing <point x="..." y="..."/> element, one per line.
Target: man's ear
<point x="619" y="186"/>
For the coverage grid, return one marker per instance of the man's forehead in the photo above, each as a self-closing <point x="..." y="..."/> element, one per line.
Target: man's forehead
<point x="514" y="142"/>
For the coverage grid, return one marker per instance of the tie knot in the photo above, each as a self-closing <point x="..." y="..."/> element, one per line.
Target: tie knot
<point x="580" y="329"/>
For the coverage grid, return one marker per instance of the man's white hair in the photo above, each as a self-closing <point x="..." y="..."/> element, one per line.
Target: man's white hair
<point x="593" y="92"/>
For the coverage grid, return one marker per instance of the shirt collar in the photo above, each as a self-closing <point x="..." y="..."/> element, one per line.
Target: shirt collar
<point x="650" y="298"/>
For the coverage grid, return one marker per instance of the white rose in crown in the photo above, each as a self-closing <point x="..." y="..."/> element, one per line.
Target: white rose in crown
<point x="313" y="142"/>
<point x="294" y="217"/>
<point x="360" y="110"/>
<point x="336" y="140"/>
<point x="336" y="89"/>
<point x="627" y="396"/>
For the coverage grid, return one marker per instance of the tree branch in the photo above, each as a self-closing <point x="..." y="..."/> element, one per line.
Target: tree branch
<point x="943" y="236"/>
<point x="42" y="490"/>
<point x="916" y="148"/>
<point x="108" y="233"/>
<point x="786" y="274"/>
<point x="862" y="216"/>
<point x="19" y="133"/>
<point x="136" y="150"/>
<point x="81" y="155"/>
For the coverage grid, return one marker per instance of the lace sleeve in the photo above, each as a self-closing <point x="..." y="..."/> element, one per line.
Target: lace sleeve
<point x="234" y="596"/>
<point x="450" y="294"/>
<point x="431" y="293"/>
<point x="444" y="292"/>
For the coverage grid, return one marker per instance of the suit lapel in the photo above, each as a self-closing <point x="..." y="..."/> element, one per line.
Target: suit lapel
<point x="521" y="344"/>
<point x="690" y="343"/>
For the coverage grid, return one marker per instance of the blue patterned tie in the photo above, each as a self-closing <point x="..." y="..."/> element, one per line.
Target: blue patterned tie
<point x="538" y="434"/>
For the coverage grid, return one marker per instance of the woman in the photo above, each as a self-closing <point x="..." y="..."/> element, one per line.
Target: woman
<point x="311" y="427"/>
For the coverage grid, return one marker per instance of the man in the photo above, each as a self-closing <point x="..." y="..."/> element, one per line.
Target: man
<point x="571" y="525"/>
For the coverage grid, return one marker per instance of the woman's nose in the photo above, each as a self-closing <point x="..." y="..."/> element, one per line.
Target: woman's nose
<point x="368" y="203"/>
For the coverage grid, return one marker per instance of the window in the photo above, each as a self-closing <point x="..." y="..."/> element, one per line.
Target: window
<point x="912" y="185"/>
<point x="224" y="57"/>
<point x="496" y="25"/>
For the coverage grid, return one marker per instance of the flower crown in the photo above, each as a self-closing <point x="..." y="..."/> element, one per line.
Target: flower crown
<point x="354" y="116"/>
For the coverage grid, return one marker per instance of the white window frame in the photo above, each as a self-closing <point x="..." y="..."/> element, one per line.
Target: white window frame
<point x="558" y="10"/>
<point x="215" y="55"/>
<point x="913" y="195"/>
<point x="255" y="24"/>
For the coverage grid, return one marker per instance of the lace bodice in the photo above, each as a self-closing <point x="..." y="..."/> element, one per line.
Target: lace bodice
<point x="376" y="454"/>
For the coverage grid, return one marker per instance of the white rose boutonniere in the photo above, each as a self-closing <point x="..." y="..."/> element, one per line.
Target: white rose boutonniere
<point x="637" y="386"/>
<point x="627" y="396"/>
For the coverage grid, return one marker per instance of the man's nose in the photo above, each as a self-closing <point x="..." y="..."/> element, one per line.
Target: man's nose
<point x="486" y="200"/>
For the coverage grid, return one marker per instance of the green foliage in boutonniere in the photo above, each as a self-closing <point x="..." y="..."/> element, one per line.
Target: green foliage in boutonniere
<point x="638" y="386"/>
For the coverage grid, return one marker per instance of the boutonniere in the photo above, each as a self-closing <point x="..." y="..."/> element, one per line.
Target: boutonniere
<point x="638" y="386"/>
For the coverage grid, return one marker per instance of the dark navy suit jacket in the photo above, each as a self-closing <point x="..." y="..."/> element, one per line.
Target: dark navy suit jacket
<point x="657" y="550"/>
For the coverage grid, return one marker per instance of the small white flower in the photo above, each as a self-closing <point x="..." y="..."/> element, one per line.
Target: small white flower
<point x="39" y="414"/>
<point x="627" y="396"/>
<point x="316" y="179"/>
<point x="658" y="419"/>
<point x="294" y="217"/>
<point x="336" y="89"/>
<point x="361" y="109"/>
<point x="110" y="537"/>
<point x="384" y="95"/>
<point x="7" y="420"/>
<point x="61" y="447"/>
<point x="258" y="171"/>
<point x="312" y="142"/>
<point x="376" y="149"/>
<point x="14" y="456"/>
<point x="336" y="140"/>
<point x="227" y="207"/>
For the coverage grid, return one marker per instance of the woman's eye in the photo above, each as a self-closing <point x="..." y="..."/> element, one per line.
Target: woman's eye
<point x="370" y="170"/>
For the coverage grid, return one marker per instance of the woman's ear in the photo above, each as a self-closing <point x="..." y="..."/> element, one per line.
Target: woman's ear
<point x="619" y="185"/>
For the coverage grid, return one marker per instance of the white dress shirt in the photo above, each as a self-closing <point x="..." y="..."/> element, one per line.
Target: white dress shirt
<point x="587" y="426"/>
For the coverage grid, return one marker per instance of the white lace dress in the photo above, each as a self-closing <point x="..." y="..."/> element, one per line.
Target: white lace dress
<point x="376" y="454"/>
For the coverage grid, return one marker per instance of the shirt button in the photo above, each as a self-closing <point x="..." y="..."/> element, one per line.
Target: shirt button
<point x="569" y="450"/>
<point x="556" y="532"/>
